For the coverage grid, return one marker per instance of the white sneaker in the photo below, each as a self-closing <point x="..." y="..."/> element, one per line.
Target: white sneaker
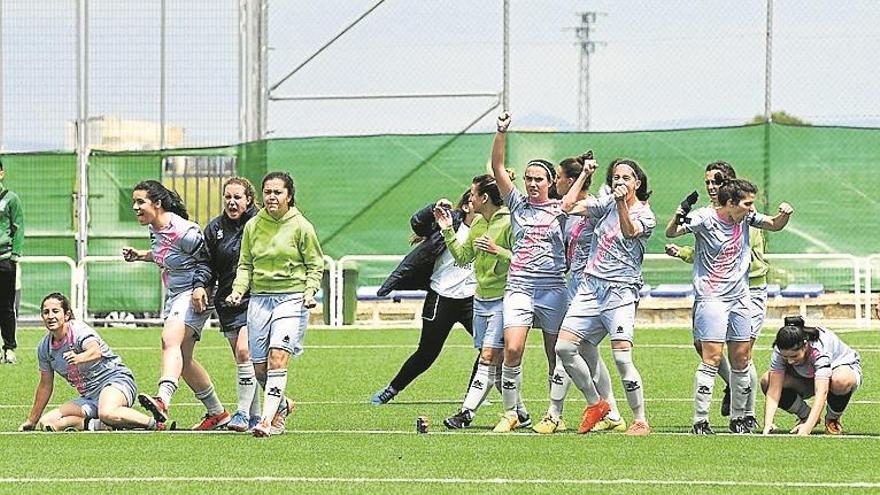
<point x="9" y="356"/>
<point x="3" y="356"/>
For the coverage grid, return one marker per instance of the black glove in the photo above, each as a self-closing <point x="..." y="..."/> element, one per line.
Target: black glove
<point x="686" y="206"/>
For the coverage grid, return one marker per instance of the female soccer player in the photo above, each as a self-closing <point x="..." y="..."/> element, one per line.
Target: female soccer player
<point x="535" y="293"/>
<point x="450" y="285"/>
<point x="487" y="247"/>
<point x="578" y="240"/>
<point x="606" y="301"/>
<point x="281" y="264"/>
<point x="223" y="243"/>
<point x="810" y="362"/>
<point x="715" y="174"/>
<point x="722" y="311"/>
<point x="105" y="385"/>
<point x="177" y="246"/>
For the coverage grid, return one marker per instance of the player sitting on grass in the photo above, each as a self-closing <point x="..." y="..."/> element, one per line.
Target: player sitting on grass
<point x="810" y="362"/>
<point x="106" y="386"/>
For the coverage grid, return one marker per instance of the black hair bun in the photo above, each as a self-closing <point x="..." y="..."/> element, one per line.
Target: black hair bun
<point x="794" y="321"/>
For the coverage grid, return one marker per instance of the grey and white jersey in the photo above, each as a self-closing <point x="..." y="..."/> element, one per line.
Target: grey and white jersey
<point x="613" y="257"/>
<point x="538" y="241"/>
<point x="823" y="355"/>
<point x="578" y="240"/>
<point x="721" y="254"/>
<point x="90" y="378"/>
<point x="178" y="250"/>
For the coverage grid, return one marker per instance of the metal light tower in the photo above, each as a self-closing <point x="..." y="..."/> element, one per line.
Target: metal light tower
<point x="587" y="47"/>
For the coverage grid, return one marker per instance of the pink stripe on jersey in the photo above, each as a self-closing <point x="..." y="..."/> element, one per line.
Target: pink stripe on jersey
<point x="533" y="239"/>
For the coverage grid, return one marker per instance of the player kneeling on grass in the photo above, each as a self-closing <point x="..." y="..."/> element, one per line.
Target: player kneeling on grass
<point x="106" y="386"/>
<point x="810" y="362"/>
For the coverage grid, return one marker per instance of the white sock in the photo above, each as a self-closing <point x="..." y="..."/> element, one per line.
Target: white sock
<point x="740" y="389"/>
<point x="247" y="387"/>
<point x="753" y="383"/>
<point x="632" y="382"/>
<point x="479" y="387"/>
<point x="276" y="383"/>
<point x="210" y="400"/>
<point x="511" y="381"/>
<point x="167" y="388"/>
<point x="567" y="352"/>
<point x="704" y="382"/>
<point x="601" y="377"/>
<point x="559" y="383"/>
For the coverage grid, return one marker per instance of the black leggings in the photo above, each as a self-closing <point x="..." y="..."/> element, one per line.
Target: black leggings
<point x="439" y="314"/>
<point x="7" y="303"/>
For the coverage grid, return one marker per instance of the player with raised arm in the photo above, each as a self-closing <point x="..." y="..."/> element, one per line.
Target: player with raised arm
<point x="177" y="246"/>
<point x="605" y="304"/>
<point x="715" y="174"/>
<point x="810" y="362"/>
<point x="722" y="312"/>
<point x="535" y="295"/>
<point x="79" y="355"/>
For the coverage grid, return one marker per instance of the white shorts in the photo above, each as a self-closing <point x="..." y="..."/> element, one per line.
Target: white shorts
<point x="758" y="306"/>
<point x="587" y="319"/>
<point x="276" y="321"/>
<point x="180" y="308"/>
<point x="542" y="307"/>
<point x="723" y="321"/>
<point x="489" y="324"/>
<point x="575" y="278"/>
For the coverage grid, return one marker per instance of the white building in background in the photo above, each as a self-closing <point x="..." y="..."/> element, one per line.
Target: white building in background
<point x="112" y="133"/>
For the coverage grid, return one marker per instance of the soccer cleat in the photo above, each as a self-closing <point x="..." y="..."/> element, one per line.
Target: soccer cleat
<point x="738" y="426"/>
<point x="638" y="429"/>
<point x="212" y="421"/>
<point x="751" y="423"/>
<point x="156" y="406"/>
<point x="9" y="355"/>
<point x="262" y="430"/>
<point x="833" y="427"/>
<point x="383" y="396"/>
<point x="278" y="421"/>
<point x="459" y="420"/>
<point x="549" y="424"/>
<point x="610" y="425"/>
<point x="725" y="402"/>
<point x="166" y="426"/>
<point x="702" y="428"/>
<point x="253" y="422"/>
<point x="592" y="415"/>
<point x="239" y="422"/>
<point x="509" y="422"/>
<point x="525" y="420"/>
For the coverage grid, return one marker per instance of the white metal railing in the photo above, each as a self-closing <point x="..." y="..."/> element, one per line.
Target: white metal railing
<point x="74" y="276"/>
<point x="869" y="270"/>
<point x="331" y="297"/>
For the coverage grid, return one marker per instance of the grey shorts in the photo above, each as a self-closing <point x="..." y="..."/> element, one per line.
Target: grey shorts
<point x="723" y="321"/>
<point x="758" y="306"/>
<point x="595" y="313"/>
<point x="122" y="382"/>
<point x="542" y="307"/>
<point x="575" y="278"/>
<point x="806" y="387"/>
<point x="276" y="321"/>
<point x="489" y="324"/>
<point x="180" y="308"/>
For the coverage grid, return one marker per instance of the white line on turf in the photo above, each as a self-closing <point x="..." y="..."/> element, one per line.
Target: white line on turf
<point x="523" y="433"/>
<point x="453" y="481"/>
<point x="450" y="346"/>
<point x="413" y="402"/>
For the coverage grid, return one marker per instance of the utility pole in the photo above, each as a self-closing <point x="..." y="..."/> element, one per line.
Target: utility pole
<point x="587" y="47"/>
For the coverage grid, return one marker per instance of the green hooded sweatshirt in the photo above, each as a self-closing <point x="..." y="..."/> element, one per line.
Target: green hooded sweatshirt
<point x="279" y="256"/>
<point x="11" y="225"/>
<point x="490" y="269"/>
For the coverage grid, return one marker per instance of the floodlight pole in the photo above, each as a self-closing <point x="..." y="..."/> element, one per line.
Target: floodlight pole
<point x="505" y="91"/>
<point x="768" y="112"/>
<point x="252" y="69"/>
<point x="162" y="32"/>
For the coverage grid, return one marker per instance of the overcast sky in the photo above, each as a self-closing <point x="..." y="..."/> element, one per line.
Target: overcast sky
<point x="668" y="64"/>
